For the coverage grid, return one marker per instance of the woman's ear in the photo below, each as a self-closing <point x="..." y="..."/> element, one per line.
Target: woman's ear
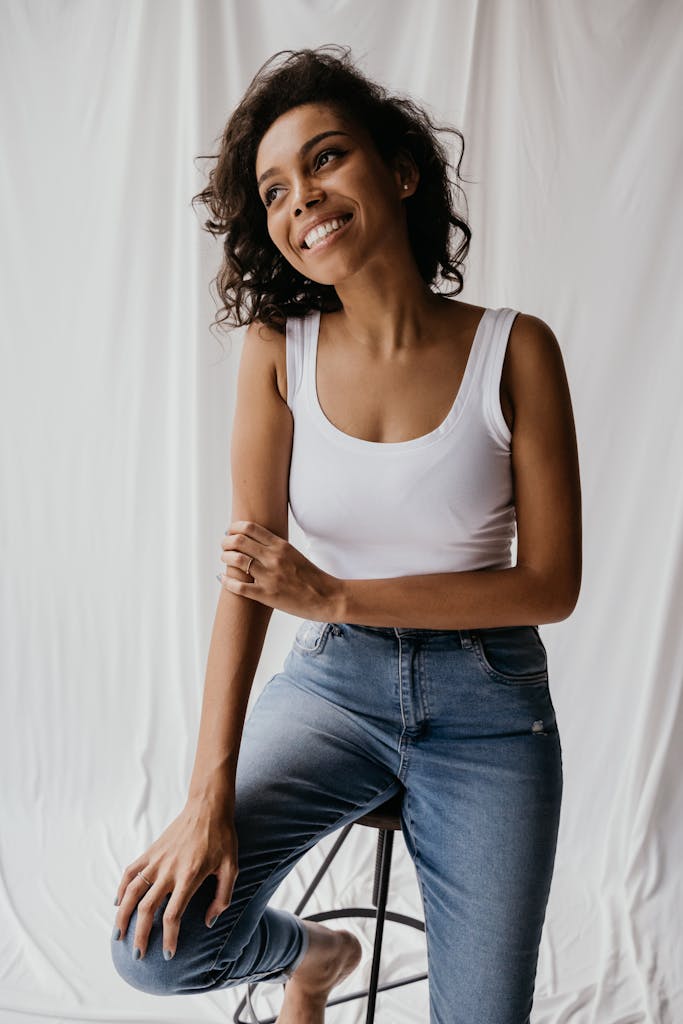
<point x="406" y="173"/>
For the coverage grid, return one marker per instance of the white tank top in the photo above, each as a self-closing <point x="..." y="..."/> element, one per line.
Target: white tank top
<point x="442" y="502"/>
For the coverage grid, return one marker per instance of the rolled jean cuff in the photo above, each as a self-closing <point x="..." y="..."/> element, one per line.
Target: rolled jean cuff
<point x="287" y="972"/>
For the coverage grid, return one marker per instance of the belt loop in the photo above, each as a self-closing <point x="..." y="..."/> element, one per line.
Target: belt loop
<point x="465" y="639"/>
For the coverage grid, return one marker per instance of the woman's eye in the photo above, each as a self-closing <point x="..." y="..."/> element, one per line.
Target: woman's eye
<point x="327" y="152"/>
<point x="275" y="188"/>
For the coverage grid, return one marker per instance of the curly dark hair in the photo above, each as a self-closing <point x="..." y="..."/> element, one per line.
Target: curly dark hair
<point x="255" y="281"/>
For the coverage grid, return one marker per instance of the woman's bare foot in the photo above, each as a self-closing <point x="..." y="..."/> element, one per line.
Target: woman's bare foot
<point x="330" y="957"/>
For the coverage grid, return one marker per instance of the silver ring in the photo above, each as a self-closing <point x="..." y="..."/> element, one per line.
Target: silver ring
<point x="144" y="879"/>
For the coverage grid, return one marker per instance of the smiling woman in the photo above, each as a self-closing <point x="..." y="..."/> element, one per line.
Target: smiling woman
<point x="411" y="435"/>
<point x="257" y="280"/>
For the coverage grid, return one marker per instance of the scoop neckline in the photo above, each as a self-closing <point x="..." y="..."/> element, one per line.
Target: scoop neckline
<point x="361" y="443"/>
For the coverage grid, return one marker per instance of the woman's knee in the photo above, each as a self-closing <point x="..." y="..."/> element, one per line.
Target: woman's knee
<point x="155" y="975"/>
<point x="186" y="971"/>
<point x="146" y="973"/>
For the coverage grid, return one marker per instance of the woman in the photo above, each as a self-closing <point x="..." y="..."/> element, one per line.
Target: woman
<point x="426" y="428"/>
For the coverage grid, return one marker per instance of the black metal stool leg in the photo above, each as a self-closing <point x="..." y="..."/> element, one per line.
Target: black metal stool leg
<point x="385" y="844"/>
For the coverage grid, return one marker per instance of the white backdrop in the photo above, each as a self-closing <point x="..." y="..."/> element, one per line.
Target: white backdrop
<point x="117" y="405"/>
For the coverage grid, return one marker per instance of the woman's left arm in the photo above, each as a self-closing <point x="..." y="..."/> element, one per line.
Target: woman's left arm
<point x="544" y="584"/>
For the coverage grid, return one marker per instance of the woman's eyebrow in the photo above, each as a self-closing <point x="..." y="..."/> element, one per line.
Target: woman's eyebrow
<point x="302" y="152"/>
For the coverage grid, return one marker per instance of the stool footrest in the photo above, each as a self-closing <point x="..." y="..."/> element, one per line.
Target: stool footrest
<point x="382" y="987"/>
<point x="389" y="915"/>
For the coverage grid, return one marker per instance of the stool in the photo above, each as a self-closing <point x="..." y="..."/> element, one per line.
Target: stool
<point x="386" y="818"/>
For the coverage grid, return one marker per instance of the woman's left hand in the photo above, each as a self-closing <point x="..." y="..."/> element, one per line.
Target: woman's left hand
<point x="283" y="577"/>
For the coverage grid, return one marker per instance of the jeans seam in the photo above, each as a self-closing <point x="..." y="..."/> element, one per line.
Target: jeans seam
<point x="404" y="726"/>
<point x="418" y="866"/>
<point x="424" y="688"/>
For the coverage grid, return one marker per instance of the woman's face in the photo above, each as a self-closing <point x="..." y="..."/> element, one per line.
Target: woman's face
<point x="339" y="180"/>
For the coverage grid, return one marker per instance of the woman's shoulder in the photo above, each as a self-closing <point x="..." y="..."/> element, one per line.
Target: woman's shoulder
<point x="533" y="363"/>
<point x="531" y="339"/>
<point x="271" y="348"/>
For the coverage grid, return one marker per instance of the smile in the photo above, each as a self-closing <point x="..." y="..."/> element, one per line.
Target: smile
<point x="321" y="235"/>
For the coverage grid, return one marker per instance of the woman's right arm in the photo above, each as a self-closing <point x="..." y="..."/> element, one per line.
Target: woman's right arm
<point x="202" y="840"/>
<point x="260" y="455"/>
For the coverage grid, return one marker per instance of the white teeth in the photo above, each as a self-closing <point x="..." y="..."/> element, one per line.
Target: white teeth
<point x="322" y="230"/>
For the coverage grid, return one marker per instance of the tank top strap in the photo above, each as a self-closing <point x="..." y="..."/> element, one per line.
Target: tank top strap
<point x="297" y="331"/>
<point x="493" y="356"/>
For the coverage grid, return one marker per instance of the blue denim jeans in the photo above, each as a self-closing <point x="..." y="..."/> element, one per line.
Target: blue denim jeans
<point x="461" y="722"/>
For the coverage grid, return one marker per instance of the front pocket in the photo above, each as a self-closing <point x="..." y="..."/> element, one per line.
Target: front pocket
<point x="512" y="654"/>
<point x="311" y="636"/>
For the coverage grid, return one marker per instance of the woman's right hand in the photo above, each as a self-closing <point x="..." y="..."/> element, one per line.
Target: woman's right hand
<point x="201" y="841"/>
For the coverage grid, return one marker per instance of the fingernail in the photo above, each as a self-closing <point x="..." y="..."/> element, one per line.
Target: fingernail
<point x="116" y="934"/>
<point x="167" y="954"/>
<point x="136" y="953"/>
<point x="218" y="577"/>
<point x="116" y="902"/>
<point x="213" y="921"/>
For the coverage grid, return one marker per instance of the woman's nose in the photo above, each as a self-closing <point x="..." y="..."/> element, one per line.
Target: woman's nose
<point x="305" y="196"/>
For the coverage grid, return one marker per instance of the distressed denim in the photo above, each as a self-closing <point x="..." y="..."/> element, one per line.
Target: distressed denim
<point x="461" y="722"/>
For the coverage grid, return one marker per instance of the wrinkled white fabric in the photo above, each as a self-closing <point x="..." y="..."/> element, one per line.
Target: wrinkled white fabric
<point x="117" y="401"/>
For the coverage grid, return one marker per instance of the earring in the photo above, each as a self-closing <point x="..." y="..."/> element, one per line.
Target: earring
<point x="405" y="186"/>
